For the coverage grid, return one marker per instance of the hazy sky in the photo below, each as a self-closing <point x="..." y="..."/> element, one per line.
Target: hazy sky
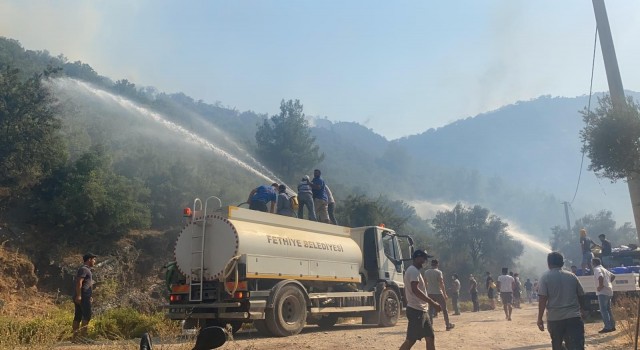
<point x="398" y="67"/>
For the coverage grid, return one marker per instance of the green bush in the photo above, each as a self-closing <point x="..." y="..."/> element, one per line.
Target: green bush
<point x="46" y="329"/>
<point x="125" y="323"/>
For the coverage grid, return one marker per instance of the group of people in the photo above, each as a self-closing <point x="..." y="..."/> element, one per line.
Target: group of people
<point x="314" y="194"/>
<point x="559" y="293"/>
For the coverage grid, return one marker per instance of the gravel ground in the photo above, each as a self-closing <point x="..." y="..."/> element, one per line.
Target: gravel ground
<point x="480" y="330"/>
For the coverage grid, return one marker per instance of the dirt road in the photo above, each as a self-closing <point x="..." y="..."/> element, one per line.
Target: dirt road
<point x="480" y="330"/>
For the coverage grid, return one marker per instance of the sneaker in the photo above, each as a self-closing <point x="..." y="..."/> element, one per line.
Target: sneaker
<point x="450" y="326"/>
<point x="458" y="314"/>
<point x="604" y="330"/>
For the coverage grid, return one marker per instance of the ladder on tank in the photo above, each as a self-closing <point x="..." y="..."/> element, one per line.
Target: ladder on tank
<point x="196" y="277"/>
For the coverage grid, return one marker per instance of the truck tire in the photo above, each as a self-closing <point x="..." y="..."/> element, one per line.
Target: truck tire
<point x="289" y="312"/>
<point x="261" y="327"/>
<point x="389" y="308"/>
<point x="329" y="321"/>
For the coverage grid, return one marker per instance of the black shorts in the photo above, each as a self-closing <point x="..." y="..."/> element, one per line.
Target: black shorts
<point x="83" y="310"/>
<point x="419" y="325"/>
<point x="507" y="297"/>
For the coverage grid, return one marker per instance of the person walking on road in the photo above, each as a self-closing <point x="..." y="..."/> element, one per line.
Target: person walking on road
<point x="82" y="298"/>
<point x="473" y="290"/>
<point x="455" y="293"/>
<point x="305" y="198"/>
<point x="418" y="303"/>
<point x="560" y="293"/>
<point x="517" y="290"/>
<point x="528" y="287"/>
<point x="604" y="291"/>
<point x="436" y="291"/>
<point x="491" y="290"/>
<point x="506" y="285"/>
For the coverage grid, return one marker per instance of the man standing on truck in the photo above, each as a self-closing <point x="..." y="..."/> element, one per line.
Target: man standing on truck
<point x="437" y="292"/>
<point x="604" y="291"/>
<point x="320" y="200"/>
<point x="586" y="244"/>
<point x="284" y="202"/>
<point x="418" y="303"/>
<point x="560" y="293"/>
<point x="605" y="254"/>
<point x="506" y="285"/>
<point x="261" y="195"/>
<point x="331" y="205"/>
<point x="82" y="291"/>
<point x="305" y="198"/>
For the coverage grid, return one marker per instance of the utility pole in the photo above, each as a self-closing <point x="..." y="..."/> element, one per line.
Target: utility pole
<point x="617" y="94"/>
<point x="566" y="215"/>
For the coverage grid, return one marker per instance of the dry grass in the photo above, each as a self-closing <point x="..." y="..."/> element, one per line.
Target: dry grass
<point x="625" y="313"/>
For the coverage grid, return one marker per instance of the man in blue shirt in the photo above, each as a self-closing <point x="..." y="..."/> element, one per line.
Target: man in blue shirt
<point x="261" y="195"/>
<point x="320" y="199"/>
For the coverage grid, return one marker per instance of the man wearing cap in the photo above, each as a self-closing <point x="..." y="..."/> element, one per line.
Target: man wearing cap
<point x="305" y="197"/>
<point x="82" y="291"/>
<point x="418" y="302"/>
<point x="261" y="195"/>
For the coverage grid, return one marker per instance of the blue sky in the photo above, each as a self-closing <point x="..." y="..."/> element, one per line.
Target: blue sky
<point x="398" y="67"/>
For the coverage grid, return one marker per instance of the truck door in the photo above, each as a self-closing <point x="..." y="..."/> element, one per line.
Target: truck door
<point x="390" y="257"/>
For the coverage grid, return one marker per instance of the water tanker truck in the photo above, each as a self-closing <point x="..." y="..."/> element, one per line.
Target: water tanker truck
<point x="277" y="272"/>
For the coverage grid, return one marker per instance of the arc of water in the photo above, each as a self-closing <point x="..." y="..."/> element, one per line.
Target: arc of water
<point x="157" y="117"/>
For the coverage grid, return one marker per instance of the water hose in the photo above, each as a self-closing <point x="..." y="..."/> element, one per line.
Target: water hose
<point x="231" y="267"/>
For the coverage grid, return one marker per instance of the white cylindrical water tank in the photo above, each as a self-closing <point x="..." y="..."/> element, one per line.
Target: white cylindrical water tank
<point x="271" y="246"/>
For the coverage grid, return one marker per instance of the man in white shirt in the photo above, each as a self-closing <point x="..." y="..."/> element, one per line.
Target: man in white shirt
<point x="506" y="284"/>
<point x="418" y="303"/>
<point x="604" y="291"/>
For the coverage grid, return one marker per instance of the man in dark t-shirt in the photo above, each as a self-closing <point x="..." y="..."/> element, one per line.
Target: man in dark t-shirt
<point x="82" y="290"/>
<point x="605" y="254"/>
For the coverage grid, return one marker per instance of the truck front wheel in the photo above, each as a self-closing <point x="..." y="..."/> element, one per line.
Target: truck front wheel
<point x="289" y="312"/>
<point x="389" y="308"/>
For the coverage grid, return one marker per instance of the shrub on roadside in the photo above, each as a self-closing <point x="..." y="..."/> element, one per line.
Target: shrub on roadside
<point x="125" y="323"/>
<point x="624" y="312"/>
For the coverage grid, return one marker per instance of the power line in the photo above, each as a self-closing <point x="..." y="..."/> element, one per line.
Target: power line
<point x="593" y="64"/>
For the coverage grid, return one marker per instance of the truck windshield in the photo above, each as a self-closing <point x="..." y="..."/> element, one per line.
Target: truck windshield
<point x="390" y="246"/>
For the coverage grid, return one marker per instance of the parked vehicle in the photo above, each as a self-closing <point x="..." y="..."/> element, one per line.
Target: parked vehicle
<point x="244" y="266"/>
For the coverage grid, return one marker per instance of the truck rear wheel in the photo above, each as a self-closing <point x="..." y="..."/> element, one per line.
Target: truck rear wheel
<point x="261" y="327"/>
<point x="389" y="308"/>
<point x="289" y="312"/>
<point x="327" y="321"/>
